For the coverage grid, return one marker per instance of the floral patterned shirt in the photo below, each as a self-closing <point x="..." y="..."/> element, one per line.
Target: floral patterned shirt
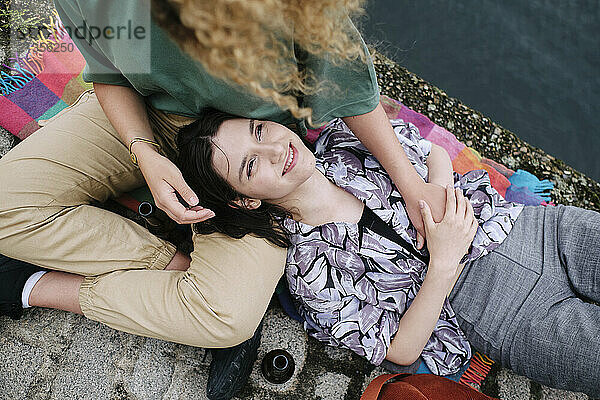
<point x="352" y="285"/>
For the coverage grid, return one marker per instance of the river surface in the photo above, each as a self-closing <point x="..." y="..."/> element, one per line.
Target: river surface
<point x="533" y="66"/>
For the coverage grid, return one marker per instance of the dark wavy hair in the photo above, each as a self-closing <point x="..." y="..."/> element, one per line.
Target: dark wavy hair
<point x="195" y="161"/>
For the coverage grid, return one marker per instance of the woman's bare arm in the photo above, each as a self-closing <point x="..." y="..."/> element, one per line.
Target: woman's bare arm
<point x="126" y="111"/>
<point x="447" y="242"/>
<point x="417" y="323"/>
<point x="439" y="166"/>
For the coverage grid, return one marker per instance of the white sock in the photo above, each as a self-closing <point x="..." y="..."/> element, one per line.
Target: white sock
<point x="33" y="279"/>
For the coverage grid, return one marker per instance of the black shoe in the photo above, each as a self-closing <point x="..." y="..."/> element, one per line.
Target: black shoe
<point x="13" y="275"/>
<point x="231" y="367"/>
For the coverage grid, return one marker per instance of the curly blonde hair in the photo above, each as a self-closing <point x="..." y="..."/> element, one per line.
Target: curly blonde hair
<point x="247" y="42"/>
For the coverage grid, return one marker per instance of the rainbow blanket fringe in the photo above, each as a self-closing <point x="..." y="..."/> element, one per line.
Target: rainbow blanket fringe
<point x="44" y="82"/>
<point x="479" y="368"/>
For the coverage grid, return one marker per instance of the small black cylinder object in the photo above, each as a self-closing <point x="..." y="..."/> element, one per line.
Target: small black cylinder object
<point x="278" y="366"/>
<point x="146" y="210"/>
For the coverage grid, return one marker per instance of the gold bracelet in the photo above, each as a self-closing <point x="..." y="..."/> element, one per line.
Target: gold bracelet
<point x="143" y="140"/>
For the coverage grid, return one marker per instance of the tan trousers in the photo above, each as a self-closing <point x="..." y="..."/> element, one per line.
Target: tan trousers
<point x="46" y="185"/>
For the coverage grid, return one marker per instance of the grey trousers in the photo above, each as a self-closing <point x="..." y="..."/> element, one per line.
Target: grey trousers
<point x="528" y="304"/>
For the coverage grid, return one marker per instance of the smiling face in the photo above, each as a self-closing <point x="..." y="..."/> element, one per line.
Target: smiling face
<point x="261" y="159"/>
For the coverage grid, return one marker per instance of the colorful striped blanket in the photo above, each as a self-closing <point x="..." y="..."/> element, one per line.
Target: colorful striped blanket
<point x="45" y="81"/>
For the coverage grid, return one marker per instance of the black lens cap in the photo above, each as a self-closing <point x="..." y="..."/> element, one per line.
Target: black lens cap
<point x="278" y="366"/>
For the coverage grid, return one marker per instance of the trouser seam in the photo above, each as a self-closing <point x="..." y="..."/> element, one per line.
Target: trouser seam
<point x="501" y="254"/>
<point x="161" y="253"/>
<point x="85" y="297"/>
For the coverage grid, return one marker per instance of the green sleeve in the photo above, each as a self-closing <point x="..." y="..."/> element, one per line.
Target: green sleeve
<point x="347" y="89"/>
<point x="98" y="67"/>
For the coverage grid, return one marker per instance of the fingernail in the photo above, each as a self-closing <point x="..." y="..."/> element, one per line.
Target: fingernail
<point x="193" y="200"/>
<point x="421" y="204"/>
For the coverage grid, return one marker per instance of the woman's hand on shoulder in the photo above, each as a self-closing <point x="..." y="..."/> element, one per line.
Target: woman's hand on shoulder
<point x="165" y="180"/>
<point x="449" y="240"/>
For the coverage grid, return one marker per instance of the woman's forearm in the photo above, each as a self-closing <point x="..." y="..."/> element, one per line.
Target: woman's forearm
<point x="418" y="322"/>
<point x="126" y="111"/>
<point x="439" y="166"/>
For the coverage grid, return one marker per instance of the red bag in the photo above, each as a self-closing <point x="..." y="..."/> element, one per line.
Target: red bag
<point x="419" y="387"/>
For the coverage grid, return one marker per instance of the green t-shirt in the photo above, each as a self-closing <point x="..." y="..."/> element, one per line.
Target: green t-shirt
<point x="122" y="46"/>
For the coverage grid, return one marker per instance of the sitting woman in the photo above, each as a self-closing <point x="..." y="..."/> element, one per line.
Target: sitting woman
<point x="516" y="282"/>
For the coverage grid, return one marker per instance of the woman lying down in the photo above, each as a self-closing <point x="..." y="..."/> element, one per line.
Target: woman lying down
<point x="516" y="282"/>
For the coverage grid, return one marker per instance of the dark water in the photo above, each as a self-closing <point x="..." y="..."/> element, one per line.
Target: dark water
<point x="533" y="66"/>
